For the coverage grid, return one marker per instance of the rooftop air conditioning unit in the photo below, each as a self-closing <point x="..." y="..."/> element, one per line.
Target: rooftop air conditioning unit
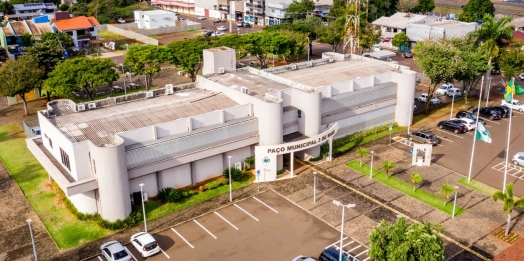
<point x="331" y="60"/>
<point x="309" y="64"/>
<point x="238" y="165"/>
<point x="169" y="89"/>
<point x="244" y="90"/>
<point x="91" y="105"/>
<point x="166" y="18"/>
<point x="221" y="70"/>
<point x="149" y="94"/>
<point x="293" y="67"/>
<point x="81" y="107"/>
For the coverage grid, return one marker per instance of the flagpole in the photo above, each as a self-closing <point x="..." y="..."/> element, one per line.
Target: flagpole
<point x="509" y="136"/>
<point x="476" y="129"/>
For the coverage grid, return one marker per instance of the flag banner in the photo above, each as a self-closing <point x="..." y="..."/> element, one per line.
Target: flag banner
<point x="482" y="134"/>
<point x="508" y="92"/>
<point x="518" y="89"/>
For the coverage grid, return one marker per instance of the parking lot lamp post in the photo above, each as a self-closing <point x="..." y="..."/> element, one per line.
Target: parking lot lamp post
<point x="487" y="94"/>
<point x="476" y="126"/>
<point x="238" y="31"/>
<point x="454" y="202"/>
<point x="307" y="48"/>
<point x="230" y="190"/>
<point x="337" y="203"/>
<point x="452" y="102"/>
<point x="411" y="104"/>
<point x="124" y="74"/>
<point x="32" y="239"/>
<point x="143" y="207"/>
<point x="371" y="169"/>
<point x="314" y="187"/>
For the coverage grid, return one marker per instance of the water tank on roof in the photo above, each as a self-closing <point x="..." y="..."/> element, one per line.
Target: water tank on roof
<point x="452" y="16"/>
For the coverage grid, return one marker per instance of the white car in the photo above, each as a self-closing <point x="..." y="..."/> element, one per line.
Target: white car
<point x="201" y="18"/>
<point x="114" y="251"/>
<point x="518" y="159"/>
<point x="454" y="92"/>
<point x="303" y="258"/>
<point x="443" y="90"/>
<point x="469" y="123"/>
<point x="376" y="47"/>
<point x="424" y="97"/>
<point x="145" y="244"/>
<point x="516" y="105"/>
<point x="521" y="76"/>
<point x="221" y="28"/>
<point x="218" y="34"/>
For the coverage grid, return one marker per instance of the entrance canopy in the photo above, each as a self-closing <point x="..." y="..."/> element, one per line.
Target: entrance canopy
<point x="382" y="54"/>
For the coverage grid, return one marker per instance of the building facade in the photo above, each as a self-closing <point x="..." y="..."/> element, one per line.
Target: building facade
<point x="155" y="19"/>
<point x="439" y="29"/>
<point x="81" y="28"/>
<point x="29" y="10"/>
<point x="390" y="26"/>
<point x="99" y="152"/>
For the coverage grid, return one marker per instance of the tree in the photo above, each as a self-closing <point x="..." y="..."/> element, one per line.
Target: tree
<point x="510" y="62"/>
<point x="229" y="40"/>
<point x="400" y="241"/>
<point x="299" y="10"/>
<point x="20" y="77"/>
<point x="406" y="5"/>
<point x="6" y="7"/>
<point x="387" y="166"/>
<point x="26" y="40"/>
<point x="492" y="36"/>
<point x="508" y="202"/>
<point x="64" y="39"/>
<point x="400" y="39"/>
<point x="416" y="179"/>
<point x="262" y="43"/>
<point x="47" y="54"/>
<point x="332" y="34"/>
<point x="475" y="10"/>
<point x="297" y="44"/>
<point x="369" y="35"/>
<point x="81" y="74"/>
<point x="307" y="26"/>
<point x="63" y="7"/>
<point x="146" y="60"/>
<point x="187" y="55"/>
<point x="438" y="60"/>
<point x="446" y="190"/>
<point x="361" y="153"/>
<point x="424" y="6"/>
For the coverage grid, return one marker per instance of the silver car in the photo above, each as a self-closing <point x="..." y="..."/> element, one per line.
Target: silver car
<point x="423" y="137"/>
<point x="114" y="251"/>
<point x="518" y="159"/>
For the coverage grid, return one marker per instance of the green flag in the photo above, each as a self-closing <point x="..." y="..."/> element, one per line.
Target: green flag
<point x="508" y="92"/>
<point x="518" y="89"/>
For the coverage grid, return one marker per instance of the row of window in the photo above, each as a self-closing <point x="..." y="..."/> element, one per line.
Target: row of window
<point x="63" y="155"/>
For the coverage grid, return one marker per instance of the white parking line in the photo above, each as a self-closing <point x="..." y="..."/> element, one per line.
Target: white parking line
<point x="265" y="204"/>
<point x="226" y="220"/>
<point x="336" y="243"/>
<point x="348" y="243"/>
<point x="361" y="253"/>
<point x="489" y="126"/>
<point x="354" y="248"/>
<point x="365" y="259"/>
<point x="164" y="253"/>
<point x="129" y="252"/>
<point x="205" y="229"/>
<point x="445" y="139"/>
<point x="100" y="258"/>
<point x="182" y="238"/>
<point x="246" y="212"/>
<point x="492" y="121"/>
<point x="449" y="133"/>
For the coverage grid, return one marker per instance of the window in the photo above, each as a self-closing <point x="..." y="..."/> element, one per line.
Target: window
<point x="50" y="143"/>
<point x="65" y="159"/>
<point x="299" y="114"/>
<point x="94" y="167"/>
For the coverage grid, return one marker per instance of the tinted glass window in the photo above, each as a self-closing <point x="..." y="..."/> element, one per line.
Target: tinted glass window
<point x="138" y="242"/>
<point x="150" y="246"/>
<point x="433" y="137"/>
<point x="120" y="254"/>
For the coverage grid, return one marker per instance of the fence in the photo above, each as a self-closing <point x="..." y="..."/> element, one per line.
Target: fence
<point x="29" y="126"/>
<point x="189" y="25"/>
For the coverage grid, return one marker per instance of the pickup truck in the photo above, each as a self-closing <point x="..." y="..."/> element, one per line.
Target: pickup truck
<point x="443" y="90"/>
<point x="516" y="105"/>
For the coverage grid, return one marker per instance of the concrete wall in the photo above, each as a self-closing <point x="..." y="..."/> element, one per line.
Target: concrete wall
<point x="85" y="202"/>
<point x="205" y="4"/>
<point x="138" y="135"/>
<point x="207" y="119"/>
<point x="405" y="97"/>
<point x="207" y="168"/>
<point x="237" y="112"/>
<point x="150" y="184"/>
<point x="173" y="127"/>
<point x="184" y="26"/>
<point x="219" y="57"/>
<point x="176" y="177"/>
<point x="238" y="155"/>
<point x="132" y="35"/>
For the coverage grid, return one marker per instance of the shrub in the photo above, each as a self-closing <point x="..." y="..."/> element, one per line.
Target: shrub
<point x="188" y="193"/>
<point x="358" y="135"/>
<point x="281" y="171"/>
<point x="236" y="174"/>
<point x="250" y="162"/>
<point x="213" y="184"/>
<point x="320" y="157"/>
<point x="225" y="182"/>
<point x="169" y="195"/>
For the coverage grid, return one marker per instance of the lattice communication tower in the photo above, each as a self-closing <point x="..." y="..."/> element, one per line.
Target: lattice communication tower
<point x="352" y="26"/>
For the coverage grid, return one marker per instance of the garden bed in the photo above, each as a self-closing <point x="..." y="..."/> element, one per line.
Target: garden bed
<point x="510" y="238"/>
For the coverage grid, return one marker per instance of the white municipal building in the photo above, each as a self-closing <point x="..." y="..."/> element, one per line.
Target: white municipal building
<point x="176" y="136"/>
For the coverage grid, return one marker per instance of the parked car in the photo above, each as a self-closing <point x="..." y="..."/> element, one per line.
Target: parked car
<point x="443" y="90"/>
<point x="221" y="28"/>
<point x="424" y="97"/>
<point x="469" y="115"/>
<point x="408" y="54"/>
<point x="240" y="24"/>
<point x="504" y="111"/>
<point x="521" y="76"/>
<point x="217" y="20"/>
<point x="488" y="112"/>
<point x="376" y="48"/>
<point x="515" y="104"/>
<point x="201" y="18"/>
<point x="247" y="25"/>
<point x="452" y="125"/>
<point x="114" y="251"/>
<point x="454" y="92"/>
<point x="218" y="34"/>
<point x="469" y="123"/>
<point x="495" y="72"/>
<point x="518" y="159"/>
<point x="145" y="244"/>
<point x="303" y="258"/>
<point x="207" y="32"/>
<point x="423" y="137"/>
<point x="332" y="254"/>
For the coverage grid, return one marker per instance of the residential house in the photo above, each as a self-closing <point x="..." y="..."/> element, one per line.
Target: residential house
<point x="180" y="6"/>
<point x="209" y="8"/>
<point x="29" y="10"/>
<point x="397" y="23"/>
<point x="155" y="19"/>
<point x="439" y="29"/>
<point x="81" y="28"/>
<point x="11" y="34"/>
<point x="255" y="11"/>
<point x="275" y="11"/>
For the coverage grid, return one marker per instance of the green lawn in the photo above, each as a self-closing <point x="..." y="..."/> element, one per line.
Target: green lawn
<point x="369" y="138"/>
<point x="66" y="230"/>
<point x="155" y="209"/>
<point x="424" y="196"/>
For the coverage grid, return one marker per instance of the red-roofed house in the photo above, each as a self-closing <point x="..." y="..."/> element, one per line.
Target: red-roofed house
<point x="82" y="29"/>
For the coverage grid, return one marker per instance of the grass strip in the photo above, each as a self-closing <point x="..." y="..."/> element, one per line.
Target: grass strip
<point x="155" y="209"/>
<point x="356" y="143"/>
<point x="407" y="189"/>
<point x="478" y="186"/>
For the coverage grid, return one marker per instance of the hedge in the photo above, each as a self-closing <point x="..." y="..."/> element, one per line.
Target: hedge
<point x="358" y="135"/>
<point x="317" y="158"/>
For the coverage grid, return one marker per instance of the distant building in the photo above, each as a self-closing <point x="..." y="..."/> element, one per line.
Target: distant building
<point x="155" y="19"/>
<point x="11" y="34"/>
<point x="81" y="28"/>
<point x="30" y="10"/>
<point x="439" y="29"/>
<point x="180" y="6"/>
<point x="390" y="26"/>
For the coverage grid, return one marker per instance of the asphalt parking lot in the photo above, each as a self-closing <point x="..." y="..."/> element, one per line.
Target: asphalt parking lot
<point x="262" y="227"/>
<point x="454" y="152"/>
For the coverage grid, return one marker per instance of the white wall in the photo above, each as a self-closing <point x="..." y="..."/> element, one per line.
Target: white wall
<point x="341" y="87"/>
<point x="405" y="97"/>
<point x="207" y="168"/>
<point x="238" y="155"/>
<point x="382" y="78"/>
<point x="237" y="112"/>
<point x="206" y="119"/>
<point x="214" y="13"/>
<point x="81" y="165"/>
<point x="200" y="11"/>
<point x="138" y="135"/>
<point x="150" y="184"/>
<point x="363" y="82"/>
<point x="172" y="128"/>
<point x="84" y="202"/>
<point x="179" y="176"/>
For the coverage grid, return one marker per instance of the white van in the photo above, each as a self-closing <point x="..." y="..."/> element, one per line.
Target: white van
<point x="454" y="92"/>
<point x="443" y="90"/>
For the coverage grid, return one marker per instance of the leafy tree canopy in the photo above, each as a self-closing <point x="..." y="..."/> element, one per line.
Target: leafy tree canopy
<point x="475" y="10"/>
<point x="299" y="10"/>
<point x="146" y="60"/>
<point x="188" y="56"/>
<point x="424" y="6"/>
<point x="332" y="34"/>
<point x="400" y="39"/>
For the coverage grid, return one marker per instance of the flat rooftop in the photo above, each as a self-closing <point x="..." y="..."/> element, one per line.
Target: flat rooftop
<point x="340" y="71"/>
<point x="447" y="24"/>
<point x="100" y="125"/>
<point x="258" y="86"/>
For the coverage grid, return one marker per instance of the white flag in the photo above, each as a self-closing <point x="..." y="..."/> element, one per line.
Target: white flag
<point x="482" y="134"/>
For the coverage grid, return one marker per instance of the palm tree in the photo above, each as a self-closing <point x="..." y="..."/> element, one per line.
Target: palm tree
<point x="446" y="190"/>
<point x="388" y="165"/>
<point x="416" y="179"/>
<point x="492" y="36"/>
<point x="509" y="202"/>
<point x="361" y="153"/>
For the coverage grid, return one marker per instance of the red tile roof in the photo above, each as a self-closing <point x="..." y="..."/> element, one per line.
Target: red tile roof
<point x="518" y="35"/>
<point x="75" y="23"/>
